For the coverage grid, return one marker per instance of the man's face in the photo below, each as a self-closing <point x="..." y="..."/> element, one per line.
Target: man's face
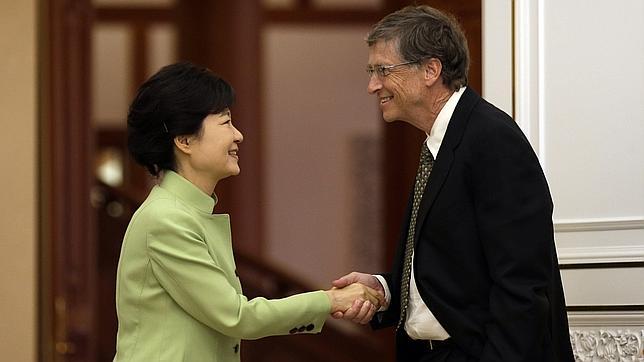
<point x="401" y="91"/>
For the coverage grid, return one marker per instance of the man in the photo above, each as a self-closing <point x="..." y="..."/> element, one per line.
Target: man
<point x="476" y="275"/>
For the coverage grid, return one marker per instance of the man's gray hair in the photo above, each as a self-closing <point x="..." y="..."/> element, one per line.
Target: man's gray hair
<point x="422" y="32"/>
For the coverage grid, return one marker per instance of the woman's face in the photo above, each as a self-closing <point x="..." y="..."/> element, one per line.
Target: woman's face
<point x="214" y="150"/>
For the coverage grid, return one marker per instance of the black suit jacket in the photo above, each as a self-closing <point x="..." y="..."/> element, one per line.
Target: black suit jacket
<point x="485" y="259"/>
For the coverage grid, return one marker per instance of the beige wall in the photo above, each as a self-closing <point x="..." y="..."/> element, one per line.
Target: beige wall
<point x="321" y="142"/>
<point x="18" y="224"/>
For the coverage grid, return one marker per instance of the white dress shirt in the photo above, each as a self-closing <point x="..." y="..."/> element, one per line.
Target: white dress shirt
<point x="420" y="323"/>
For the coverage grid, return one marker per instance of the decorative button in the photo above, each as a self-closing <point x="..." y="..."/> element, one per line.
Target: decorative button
<point x="293" y="331"/>
<point x="310" y="327"/>
<point x="302" y="329"/>
<point x="236" y="348"/>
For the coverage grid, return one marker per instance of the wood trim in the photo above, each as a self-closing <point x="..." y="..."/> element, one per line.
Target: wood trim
<point x="139" y="56"/>
<point x="134" y="14"/>
<point x="400" y="170"/>
<point x="606" y="308"/>
<point x="599" y="224"/>
<point x="225" y="37"/>
<point x="600" y="254"/>
<point x="304" y="3"/>
<point x="46" y="315"/>
<point x="246" y="190"/>
<point x="67" y="227"/>
<point x="514" y="60"/>
<point x="617" y="265"/>
<point x="606" y="319"/>
<point x="309" y="16"/>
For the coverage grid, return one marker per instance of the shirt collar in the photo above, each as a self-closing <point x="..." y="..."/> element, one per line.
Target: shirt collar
<point x="188" y="192"/>
<point x="437" y="133"/>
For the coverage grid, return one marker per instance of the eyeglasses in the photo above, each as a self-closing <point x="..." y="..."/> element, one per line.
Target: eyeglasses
<point x="385" y="70"/>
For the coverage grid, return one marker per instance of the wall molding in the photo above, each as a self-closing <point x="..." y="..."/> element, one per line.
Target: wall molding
<point x="601" y="254"/>
<point x="604" y="308"/>
<point x="599" y="224"/>
<point x="596" y="335"/>
<point x="528" y="73"/>
<point x="606" y="320"/>
<point x="607" y="336"/>
<point x="608" y="345"/>
<point x="498" y="53"/>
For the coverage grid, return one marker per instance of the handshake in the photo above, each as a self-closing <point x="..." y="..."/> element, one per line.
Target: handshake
<point x="356" y="297"/>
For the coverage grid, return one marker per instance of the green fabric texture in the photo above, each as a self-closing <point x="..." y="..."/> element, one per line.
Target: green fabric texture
<point x="178" y="296"/>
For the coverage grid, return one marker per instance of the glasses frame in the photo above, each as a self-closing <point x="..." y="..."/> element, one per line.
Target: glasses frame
<point x="384" y="70"/>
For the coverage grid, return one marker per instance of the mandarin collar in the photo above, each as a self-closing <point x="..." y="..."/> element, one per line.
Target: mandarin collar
<point x="188" y="192"/>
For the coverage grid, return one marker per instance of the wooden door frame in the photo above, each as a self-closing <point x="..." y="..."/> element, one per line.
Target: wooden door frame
<point x="224" y="36"/>
<point x="67" y="242"/>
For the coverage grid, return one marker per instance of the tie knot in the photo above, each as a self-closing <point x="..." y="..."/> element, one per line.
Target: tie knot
<point x="425" y="155"/>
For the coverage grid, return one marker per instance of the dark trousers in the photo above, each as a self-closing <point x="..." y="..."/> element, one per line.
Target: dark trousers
<point x="409" y="350"/>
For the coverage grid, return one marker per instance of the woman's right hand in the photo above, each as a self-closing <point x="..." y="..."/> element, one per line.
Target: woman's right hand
<point x="343" y="299"/>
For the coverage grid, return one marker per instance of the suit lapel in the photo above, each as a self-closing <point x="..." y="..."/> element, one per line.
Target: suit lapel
<point x="445" y="157"/>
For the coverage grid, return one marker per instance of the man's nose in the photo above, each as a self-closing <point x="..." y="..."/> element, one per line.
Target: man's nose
<point x="374" y="84"/>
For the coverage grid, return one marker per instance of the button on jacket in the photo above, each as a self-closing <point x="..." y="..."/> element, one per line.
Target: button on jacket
<point x="178" y="297"/>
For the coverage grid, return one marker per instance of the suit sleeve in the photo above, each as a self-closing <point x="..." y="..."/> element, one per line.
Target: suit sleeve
<point x="181" y="263"/>
<point x="389" y="316"/>
<point x="514" y="215"/>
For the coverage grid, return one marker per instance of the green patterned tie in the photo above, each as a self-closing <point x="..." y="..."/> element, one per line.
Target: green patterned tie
<point x="424" y="168"/>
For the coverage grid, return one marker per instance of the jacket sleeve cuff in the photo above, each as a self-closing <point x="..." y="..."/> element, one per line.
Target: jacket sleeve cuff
<point x="385" y="286"/>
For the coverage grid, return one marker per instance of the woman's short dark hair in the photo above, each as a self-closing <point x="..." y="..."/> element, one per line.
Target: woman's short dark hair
<point x="173" y="102"/>
<point x="422" y="32"/>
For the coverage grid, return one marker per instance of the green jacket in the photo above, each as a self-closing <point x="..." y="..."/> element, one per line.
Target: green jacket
<point x="178" y="297"/>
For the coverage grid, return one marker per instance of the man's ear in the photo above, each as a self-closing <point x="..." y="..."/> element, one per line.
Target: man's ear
<point x="433" y="69"/>
<point x="183" y="144"/>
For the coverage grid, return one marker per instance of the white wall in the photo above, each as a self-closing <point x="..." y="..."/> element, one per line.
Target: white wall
<point x="18" y="154"/>
<point x="578" y="94"/>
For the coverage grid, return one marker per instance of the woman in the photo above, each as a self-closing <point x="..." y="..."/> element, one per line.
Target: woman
<point x="178" y="297"/>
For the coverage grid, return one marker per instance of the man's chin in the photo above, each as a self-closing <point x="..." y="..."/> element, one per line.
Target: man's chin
<point x="389" y="119"/>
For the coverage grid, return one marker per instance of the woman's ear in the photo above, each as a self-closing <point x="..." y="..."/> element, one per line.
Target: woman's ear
<point x="183" y="143"/>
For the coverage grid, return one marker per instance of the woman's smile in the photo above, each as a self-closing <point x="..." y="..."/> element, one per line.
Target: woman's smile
<point x="234" y="154"/>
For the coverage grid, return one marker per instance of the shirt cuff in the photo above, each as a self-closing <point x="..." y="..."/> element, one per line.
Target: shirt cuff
<point x="383" y="282"/>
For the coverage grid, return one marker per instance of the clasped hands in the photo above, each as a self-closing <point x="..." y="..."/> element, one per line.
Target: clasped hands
<point x="356" y="297"/>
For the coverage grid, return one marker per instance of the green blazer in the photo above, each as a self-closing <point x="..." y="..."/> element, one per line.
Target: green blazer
<point x="178" y="297"/>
